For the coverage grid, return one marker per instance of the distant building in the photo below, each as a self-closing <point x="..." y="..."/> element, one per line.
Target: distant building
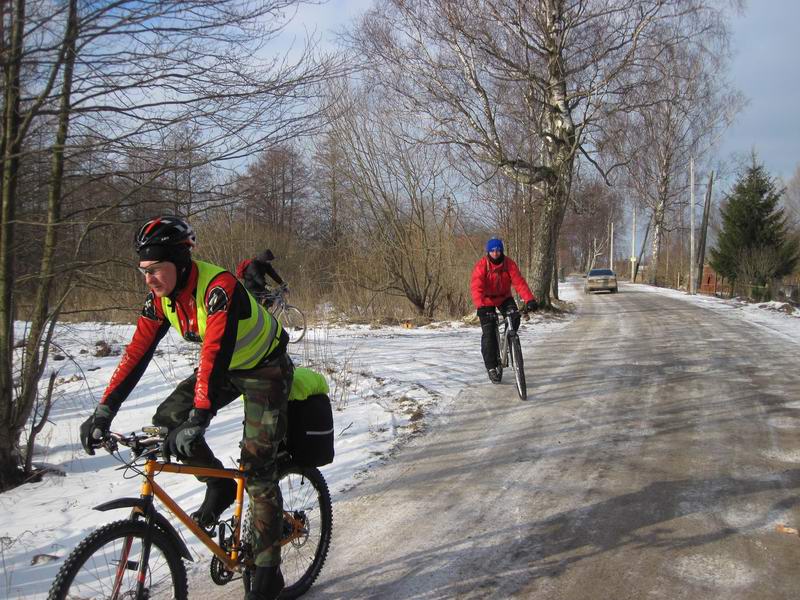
<point x="711" y="283"/>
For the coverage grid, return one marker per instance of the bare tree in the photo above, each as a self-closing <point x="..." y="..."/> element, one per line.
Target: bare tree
<point x="554" y="69"/>
<point x="273" y="190"/>
<point x="791" y="200"/>
<point x="756" y="268"/>
<point x="404" y="213"/>
<point x="85" y="84"/>
<point x="587" y="228"/>
<point x="677" y="116"/>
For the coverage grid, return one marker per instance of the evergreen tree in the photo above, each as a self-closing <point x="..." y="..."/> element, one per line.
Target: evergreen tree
<point x="754" y="246"/>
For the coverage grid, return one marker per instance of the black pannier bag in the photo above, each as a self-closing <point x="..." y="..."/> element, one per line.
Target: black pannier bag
<point x="310" y="435"/>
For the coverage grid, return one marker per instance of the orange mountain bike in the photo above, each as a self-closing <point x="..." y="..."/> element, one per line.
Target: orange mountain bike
<point x="141" y="557"/>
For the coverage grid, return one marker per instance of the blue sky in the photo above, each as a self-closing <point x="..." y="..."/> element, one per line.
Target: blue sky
<point x="766" y="69"/>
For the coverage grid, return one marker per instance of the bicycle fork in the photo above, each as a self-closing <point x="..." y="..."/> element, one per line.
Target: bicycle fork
<point x="146" y="510"/>
<point x="502" y="346"/>
<point x="125" y="563"/>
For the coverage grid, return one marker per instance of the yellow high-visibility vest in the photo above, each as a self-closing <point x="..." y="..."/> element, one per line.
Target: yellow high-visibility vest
<point x="256" y="336"/>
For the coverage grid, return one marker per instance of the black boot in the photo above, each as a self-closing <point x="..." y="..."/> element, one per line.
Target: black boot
<point x="266" y="584"/>
<point x="220" y="494"/>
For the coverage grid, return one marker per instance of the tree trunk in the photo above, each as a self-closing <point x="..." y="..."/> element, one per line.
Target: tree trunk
<point x="658" y="231"/>
<point x="42" y="319"/>
<point x="10" y="473"/>
<point x="554" y="280"/>
<point x="15" y="411"/>
<point x="641" y="250"/>
<point x="559" y="148"/>
<point x="545" y="240"/>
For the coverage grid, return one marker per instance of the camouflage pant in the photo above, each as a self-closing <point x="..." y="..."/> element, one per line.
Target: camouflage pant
<point x="265" y="391"/>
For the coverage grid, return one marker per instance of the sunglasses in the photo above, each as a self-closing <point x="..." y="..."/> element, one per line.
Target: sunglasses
<point x="151" y="270"/>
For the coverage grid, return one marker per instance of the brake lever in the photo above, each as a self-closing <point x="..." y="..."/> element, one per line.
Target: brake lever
<point x="110" y="444"/>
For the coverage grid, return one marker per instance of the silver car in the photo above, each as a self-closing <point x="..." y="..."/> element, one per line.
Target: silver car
<point x="600" y="279"/>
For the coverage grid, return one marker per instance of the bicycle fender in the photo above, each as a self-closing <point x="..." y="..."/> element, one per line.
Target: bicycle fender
<point x="120" y="503"/>
<point x="161" y="520"/>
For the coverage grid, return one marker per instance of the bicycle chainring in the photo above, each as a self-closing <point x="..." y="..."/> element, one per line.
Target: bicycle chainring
<point x="219" y="573"/>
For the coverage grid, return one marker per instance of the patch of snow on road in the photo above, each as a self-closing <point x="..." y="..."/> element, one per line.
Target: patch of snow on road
<point x="714" y="571"/>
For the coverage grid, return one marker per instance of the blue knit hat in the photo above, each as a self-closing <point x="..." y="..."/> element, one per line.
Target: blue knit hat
<point x="494" y="244"/>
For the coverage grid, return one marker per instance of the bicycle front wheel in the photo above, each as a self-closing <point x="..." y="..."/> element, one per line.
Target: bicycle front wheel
<point x="106" y="565"/>
<point x="293" y="322"/>
<point x="307" y="500"/>
<point x="519" y="368"/>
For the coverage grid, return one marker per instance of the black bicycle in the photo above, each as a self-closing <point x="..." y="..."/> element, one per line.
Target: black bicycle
<point x="509" y="350"/>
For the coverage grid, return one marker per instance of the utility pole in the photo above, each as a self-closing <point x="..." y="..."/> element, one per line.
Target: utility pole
<point x="701" y="245"/>
<point x="611" y="249"/>
<point x="692" y="281"/>
<point x="633" y="246"/>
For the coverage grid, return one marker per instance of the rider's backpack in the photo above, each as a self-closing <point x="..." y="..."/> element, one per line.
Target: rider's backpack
<point x="310" y="435"/>
<point x="242" y="266"/>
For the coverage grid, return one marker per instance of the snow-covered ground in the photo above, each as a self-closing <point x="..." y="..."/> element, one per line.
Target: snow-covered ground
<point x="384" y="382"/>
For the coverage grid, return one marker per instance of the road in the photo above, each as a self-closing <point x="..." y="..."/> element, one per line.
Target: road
<point x="657" y="452"/>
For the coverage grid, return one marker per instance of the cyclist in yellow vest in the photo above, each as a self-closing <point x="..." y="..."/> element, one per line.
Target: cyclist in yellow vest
<point x="243" y="353"/>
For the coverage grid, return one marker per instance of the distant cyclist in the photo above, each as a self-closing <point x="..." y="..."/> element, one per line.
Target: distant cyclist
<point x="492" y="278"/>
<point x="254" y="271"/>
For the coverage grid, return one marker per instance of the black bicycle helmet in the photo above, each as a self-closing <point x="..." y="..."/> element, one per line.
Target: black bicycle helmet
<point x="165" y="231"/>
<point x="164" y="235"/>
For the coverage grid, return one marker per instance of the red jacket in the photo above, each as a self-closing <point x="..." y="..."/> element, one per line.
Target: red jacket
<point x="491" y="284"/>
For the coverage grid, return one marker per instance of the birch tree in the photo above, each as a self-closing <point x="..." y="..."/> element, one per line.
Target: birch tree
<point x="678" y="115"/>
<point x="482" y="71"/>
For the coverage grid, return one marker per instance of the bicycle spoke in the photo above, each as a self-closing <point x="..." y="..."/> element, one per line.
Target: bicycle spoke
<point x="106" y="565"/>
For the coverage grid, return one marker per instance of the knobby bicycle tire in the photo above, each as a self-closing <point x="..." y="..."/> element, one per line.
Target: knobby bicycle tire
<point x="305" y="494"/>
<point x="519" y="368"/>
<point x="293" y="322"/>
<point x="89" y="572"/>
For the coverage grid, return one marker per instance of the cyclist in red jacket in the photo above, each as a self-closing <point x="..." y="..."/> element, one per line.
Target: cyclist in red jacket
<point x="492" y="278"/>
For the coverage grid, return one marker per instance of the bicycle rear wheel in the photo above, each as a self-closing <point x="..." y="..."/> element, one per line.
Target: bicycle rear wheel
<point x="293" y="322"/>
<point x="306" y="499"/>
<point x="106" y="565"/>
<point x="519" y="367"/>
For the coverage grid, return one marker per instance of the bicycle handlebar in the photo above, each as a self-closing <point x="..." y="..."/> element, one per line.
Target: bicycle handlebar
<point x="149" y="439"/>
<point x="271" y="295"/>
<point x="523" y="311"/>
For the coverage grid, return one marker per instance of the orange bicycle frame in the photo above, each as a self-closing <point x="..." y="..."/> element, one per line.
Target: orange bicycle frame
<point x="231" y="561"/>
